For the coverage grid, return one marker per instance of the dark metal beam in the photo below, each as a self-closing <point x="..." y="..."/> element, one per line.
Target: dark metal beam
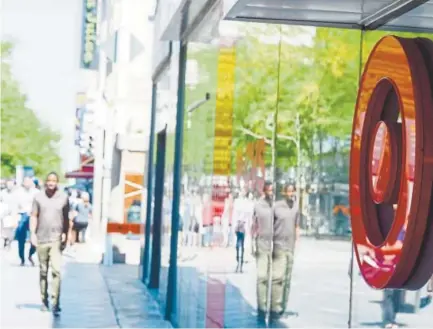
<point x="198" y="19"/>
<point x="297" y="22"/>
<point x="388" y="13"/>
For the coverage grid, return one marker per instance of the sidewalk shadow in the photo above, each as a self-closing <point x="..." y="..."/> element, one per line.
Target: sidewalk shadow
<point x="380" y="324"/>
<point x="213" y="301"/>
<point x="29" y="306"/>
<point x="85" y="301"/>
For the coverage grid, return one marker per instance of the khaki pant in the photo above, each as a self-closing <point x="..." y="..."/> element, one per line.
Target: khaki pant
<point x="263" y="272"/>
<point x="50" y="254"/>
<point x="282" y="263"/>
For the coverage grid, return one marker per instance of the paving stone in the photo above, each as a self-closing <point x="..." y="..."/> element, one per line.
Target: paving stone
<point x="135" y="306"/>
<point x="91" y="297"/>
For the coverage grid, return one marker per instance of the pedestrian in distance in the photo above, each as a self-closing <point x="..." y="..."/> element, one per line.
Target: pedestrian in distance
<point x="24" y="200"/>
<point x="8" y="213"/>
<point x="49" y="228"/>
<point x="82" y="213"/>
<point x="240" y="244"/>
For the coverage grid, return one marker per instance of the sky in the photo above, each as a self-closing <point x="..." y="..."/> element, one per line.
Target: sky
<point x="45" y="61"/>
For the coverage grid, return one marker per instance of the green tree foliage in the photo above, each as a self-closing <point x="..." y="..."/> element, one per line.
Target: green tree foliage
<point x="200" y="122"/>
<point x="25" y="140"/>
<point x="285" y="71"/>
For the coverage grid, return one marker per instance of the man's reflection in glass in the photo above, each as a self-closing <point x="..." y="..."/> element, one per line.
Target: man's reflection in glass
<point x="207" y="221"/>
<point x="249" y="214"/>
<point x="392" y="297"/>
<point x="286" y="223"/>
<point x="240" y="244"/>
<point x="226" y="220"/>
<point x="263" y="228"/>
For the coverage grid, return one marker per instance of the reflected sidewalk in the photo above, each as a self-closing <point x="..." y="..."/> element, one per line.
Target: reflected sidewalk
<point x="319" y="293"/>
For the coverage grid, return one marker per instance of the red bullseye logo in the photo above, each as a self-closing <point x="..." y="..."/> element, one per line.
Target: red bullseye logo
<point x="391" y="173"/>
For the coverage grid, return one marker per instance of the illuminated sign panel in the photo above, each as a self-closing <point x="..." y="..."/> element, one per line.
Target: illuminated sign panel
<point x="89" y="51"/>
<point x="224" y="111"/>
<point x="391" y="172"/>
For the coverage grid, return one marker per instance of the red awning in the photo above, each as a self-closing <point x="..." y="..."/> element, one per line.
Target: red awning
<point x="85" y="172"/>
<point x="79" y="174"/>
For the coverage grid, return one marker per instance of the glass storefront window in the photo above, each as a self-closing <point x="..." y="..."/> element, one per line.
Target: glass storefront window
<point x="380" y="307"/>
<point x="270" y="109"/>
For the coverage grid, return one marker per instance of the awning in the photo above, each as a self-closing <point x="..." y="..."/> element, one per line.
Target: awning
<point x="85" y="172"/>
<point x="402" y="15"/>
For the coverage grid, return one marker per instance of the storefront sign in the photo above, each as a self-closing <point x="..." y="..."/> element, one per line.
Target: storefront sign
<point x="391" y="172"/>
<point x="224" y="112"/>
<point x="79" y="114"/>
<point x="89" y="51"/>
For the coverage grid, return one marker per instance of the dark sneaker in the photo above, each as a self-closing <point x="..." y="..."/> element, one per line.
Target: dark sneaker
<point x="32" y="263"/>
<point x="261" y="319"/>
<point x="275" y="316"/>
<point x="56" y="311"/>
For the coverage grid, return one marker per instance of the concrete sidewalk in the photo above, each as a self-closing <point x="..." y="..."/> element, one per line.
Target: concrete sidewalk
<point x="92" y="296"/>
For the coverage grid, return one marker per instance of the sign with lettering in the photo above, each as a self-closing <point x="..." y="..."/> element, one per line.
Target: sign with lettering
<point x="224" y="111"/>
<point x="79" y="114"/>
<point x="89" y="51"/>
<point x="391" y="172"/>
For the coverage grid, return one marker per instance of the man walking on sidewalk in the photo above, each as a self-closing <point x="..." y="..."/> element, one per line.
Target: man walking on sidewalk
<point x="49" y="227"/>
<point x="286" y="232"/>
<point x="263" y="231"/>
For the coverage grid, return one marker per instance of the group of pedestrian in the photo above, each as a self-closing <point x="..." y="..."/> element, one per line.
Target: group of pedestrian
<point x="44" y="217"/>
<point x="17" y="202"/>
<point x="264" y="228"/>
<point x="79" y="216"/>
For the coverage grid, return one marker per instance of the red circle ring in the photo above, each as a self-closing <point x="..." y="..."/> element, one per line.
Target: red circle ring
<point x="393" y="231"/>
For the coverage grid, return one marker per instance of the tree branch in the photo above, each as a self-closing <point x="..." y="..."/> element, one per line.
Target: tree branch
<point x="253" y="134"/>
<point x="289" y="138"/>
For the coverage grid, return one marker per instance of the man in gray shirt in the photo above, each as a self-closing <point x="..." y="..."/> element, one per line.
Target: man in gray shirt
<point x="286" y="231"/>
<point x="49" y="228"/>
<point x="262" y="233"/>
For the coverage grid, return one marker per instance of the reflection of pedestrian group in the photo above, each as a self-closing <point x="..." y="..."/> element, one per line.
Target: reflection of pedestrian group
<point x="276" y="230"/>
<point x="263" y="228"/>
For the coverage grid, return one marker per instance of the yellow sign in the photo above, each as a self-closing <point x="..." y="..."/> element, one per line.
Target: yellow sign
<point x="224" y="111"/>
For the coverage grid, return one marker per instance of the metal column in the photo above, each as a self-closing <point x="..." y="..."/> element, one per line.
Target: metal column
<point x="157" y="210"/>
<point x="177" y="171"/>
<point x="146" y="256"/>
